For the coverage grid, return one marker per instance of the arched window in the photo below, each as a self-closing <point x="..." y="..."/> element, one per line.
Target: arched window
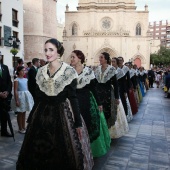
<point x="138" y="29"/>
<point x="74" y="29"/>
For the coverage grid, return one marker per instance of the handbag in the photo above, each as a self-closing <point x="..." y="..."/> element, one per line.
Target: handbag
<point x="165" y="89"/>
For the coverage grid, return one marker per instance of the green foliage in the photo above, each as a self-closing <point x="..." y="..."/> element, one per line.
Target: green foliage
<point x="162" y="57"/>
<point x="14" y="51"/>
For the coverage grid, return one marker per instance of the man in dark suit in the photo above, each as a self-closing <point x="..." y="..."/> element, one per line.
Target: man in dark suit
<point x="32" y="75"/>
<point x="151" y="76"/>
<point x="5" y="96"/>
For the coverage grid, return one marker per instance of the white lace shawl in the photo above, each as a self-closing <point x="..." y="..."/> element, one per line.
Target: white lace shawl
<point x="106" y="75"/>
<point x="125" y="69"/>
<point x="120" y="73"/>
<point x="137" y="72"/>
<point x="132" y="72"/>
<point x="85" y="77"/>
<point x="53" y="86"/>
<point x="145" y="71"/>
<point x="141" y="73"/>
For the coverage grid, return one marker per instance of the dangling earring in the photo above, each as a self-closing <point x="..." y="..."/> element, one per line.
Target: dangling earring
<point x="79" y="63"/>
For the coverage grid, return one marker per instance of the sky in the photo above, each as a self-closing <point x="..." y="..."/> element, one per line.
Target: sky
<point x="158" y="9"/>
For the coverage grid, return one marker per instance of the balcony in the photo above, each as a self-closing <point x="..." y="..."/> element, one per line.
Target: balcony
<point x="0" y="17"/>
<point x="1" y="41"/>
<point x="15" y="23"/>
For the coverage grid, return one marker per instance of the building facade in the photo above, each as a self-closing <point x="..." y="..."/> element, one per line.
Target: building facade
<point x="11" y="24"/>
<point x="161" y="31"/>
<point x="40" y="24"/>
<point x="113" y="26"/>
<point x="60" y="28"/>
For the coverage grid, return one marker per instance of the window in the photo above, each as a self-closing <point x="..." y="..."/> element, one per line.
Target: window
<point x="2" y="60"/>
<point x="74" y="29"/>
<point x="15" y="34"/>
<point x="0" y="36"/>
<point x="138" y="29"/>
<point x="15" y="18"/>
<point x="0" y="12"/>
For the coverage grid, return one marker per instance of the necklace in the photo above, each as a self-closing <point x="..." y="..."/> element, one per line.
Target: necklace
<point x="52" y="72"/>
<point x="103" y="70"/>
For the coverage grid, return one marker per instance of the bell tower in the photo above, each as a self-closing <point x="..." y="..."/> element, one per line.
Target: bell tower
<point x="40" y="24"/>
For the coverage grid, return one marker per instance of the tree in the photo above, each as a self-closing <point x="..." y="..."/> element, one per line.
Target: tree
<point x="162" y="57"/>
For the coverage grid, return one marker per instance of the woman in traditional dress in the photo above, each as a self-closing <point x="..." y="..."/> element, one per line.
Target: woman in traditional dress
<point x="90" y="106"/>
<point x="121" y="126"/>
<point x="142" y="81"/>
<point x="138" y="82"/>
<point x="55" y="136"/>
<point x="107" y="88"/>
<point x="133" y="97"/>
<point x="127" y="85"/>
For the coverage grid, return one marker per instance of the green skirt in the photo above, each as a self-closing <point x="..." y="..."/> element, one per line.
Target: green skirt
<point x="101" y="145"/>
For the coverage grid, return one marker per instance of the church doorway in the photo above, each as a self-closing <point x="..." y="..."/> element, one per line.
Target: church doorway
<point x="108" y="50"/>
<point x="138" y="62"/>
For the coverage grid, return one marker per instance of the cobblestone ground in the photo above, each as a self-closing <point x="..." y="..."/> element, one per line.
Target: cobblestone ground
<point x="145" y="147"/>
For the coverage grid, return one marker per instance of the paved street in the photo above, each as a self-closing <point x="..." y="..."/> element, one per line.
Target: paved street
<point x="145" y="147"/>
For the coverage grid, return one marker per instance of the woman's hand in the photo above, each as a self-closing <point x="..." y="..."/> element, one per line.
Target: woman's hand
<point x="125" y="94"/>
<point x="79" y="131"/>
<point x="100" y="108"/>
<point x="17" y="103"/>
<point x="117" y="101"/>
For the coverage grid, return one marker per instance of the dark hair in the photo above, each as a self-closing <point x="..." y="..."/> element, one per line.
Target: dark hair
<point x="58" y="45"/>
<point x="80" y="55"/>
<point x="121" y="58"/>
<point x="107" y="57"/>
<point x="20" y="60"/>
<point x="34" y="60"/>
<point x="28" y="64"/>
<point x="19" y="69"/>
<point x="117" y="61"/>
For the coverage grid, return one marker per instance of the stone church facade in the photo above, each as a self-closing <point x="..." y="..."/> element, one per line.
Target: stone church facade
<point x="112" y="26"/>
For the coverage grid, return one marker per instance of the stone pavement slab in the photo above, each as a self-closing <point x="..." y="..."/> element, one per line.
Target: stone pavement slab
<point x="147" y="145"/>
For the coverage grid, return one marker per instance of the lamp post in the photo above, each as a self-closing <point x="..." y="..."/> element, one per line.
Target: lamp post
<point x="14" y="42"/>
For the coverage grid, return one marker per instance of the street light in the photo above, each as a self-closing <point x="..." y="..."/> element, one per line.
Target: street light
<point x="14" y="42"/>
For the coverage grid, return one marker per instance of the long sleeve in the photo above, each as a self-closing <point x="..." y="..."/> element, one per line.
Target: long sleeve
<point x="92" y="87"/>
<point x="36" y="103"/>
<point x="31" y="80"/>
<point x="128" y="80"/>
<point x="9" y="87"/>
<point x="74" y="102"/>
<point x="133" y="80"/>
<point x="114" y="82"/>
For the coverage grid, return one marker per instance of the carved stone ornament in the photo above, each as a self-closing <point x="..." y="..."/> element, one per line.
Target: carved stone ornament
<point x="74" y="46"/>
<point x="138" y="47"/>
<point x="106" y="23"/>
<point x="95" y="33"/>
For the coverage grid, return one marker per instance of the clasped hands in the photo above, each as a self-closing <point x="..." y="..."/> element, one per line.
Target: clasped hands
<point x="4" y="94"/>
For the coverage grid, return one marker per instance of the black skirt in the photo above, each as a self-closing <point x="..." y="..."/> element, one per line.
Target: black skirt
<point x="51" y="141"/>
